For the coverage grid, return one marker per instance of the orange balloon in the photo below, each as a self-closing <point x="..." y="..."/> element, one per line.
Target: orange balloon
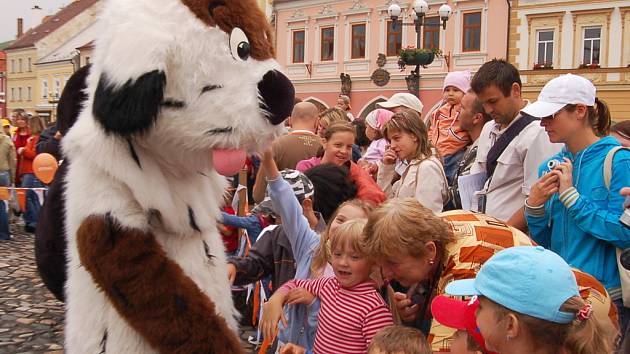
<point x="45" y="166"/>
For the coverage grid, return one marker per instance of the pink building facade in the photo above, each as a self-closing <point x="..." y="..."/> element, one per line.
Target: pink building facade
<point x="318" y="41"/>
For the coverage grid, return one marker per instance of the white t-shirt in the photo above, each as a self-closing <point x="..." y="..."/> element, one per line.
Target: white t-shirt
<point x="517" y="167"/>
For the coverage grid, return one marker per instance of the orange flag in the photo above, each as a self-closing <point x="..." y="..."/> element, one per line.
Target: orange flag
<point x="256" y="304"/>
<point x="21" y="196"/>
<point x="4" y="193"/>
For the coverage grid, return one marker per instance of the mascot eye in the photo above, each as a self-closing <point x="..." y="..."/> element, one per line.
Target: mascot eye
<point x="239" y="44"/>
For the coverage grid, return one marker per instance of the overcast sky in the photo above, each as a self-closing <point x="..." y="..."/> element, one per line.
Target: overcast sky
<point x="10" y="10"/>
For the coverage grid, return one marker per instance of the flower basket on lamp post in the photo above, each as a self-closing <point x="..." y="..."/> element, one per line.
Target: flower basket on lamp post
<point x="416" y="56"/>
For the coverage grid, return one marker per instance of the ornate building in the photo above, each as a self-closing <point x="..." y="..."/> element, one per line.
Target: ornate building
<point x="589" y="38"/>
<point x="330" y="46"/>
<point x="44" y="47"/>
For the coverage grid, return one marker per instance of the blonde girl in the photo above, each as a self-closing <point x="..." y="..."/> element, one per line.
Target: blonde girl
<point x="354" y="209"/>
<point x="351" y="310"/>
<point x="422" y="176"/>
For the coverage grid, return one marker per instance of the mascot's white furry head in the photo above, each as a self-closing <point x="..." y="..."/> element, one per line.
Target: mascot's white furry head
<point x="178" y="88"/>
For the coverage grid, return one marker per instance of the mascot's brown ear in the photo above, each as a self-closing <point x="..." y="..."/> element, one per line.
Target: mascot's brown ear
<point x="131" y="108"/>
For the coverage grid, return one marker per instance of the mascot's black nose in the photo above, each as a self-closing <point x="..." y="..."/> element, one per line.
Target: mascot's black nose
<point x="277" y="94"/>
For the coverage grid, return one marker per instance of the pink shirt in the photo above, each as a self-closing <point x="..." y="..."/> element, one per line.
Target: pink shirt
<point x="306" y="164"/>
<point x="348" y="317"/>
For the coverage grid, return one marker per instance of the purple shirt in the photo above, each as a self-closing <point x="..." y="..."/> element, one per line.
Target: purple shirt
<point x="375" y="151"/>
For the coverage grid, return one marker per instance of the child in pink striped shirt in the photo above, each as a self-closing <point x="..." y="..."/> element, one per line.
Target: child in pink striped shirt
<point x="351" y="309"/>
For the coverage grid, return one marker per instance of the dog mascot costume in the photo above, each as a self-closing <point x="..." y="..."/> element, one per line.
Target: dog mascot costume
<point x="177" y="88"/>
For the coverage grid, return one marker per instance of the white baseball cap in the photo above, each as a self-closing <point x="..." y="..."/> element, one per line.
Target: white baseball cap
<point x="559" y="92"/>
<point x="403" y="99"/>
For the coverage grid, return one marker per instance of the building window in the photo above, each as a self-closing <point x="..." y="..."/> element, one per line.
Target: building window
<point x="12" y="93"/>
<point x="19" y="93"/>
<point x="544" y="47"/>
<point x="298" y="47"/>
<point x="28" y="94"/>
<point x="45" y="89"/>
<point x="394" y="39"/>
<point x="29" y="65"/>
<point x="57" y="89"/>
<point x="20" y="65"/>
<point x="12" y="65"/>
<point x="328" y="43"/>
<point x="592" y="41"/>
<point x="358" y="41"/>
<point x="472" y="32"/>
<point x="432" y="33"/>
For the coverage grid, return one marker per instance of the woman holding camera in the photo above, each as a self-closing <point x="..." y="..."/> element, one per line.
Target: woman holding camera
<point x="571" y="210"/>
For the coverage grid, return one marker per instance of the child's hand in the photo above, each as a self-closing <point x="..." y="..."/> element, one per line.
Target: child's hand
<point x="292" y="349"/>
<point x="300" y="296"/>
<point x="272" y="313"/>
<point x="389" y="157"/>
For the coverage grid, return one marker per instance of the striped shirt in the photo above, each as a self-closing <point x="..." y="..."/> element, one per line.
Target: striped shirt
<point x="348" y="317"/>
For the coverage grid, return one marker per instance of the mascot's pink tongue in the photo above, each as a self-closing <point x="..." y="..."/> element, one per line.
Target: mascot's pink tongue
<point x="228" y="162"/>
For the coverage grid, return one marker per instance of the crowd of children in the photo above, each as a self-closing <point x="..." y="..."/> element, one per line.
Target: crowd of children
<point x="363" y="259"/>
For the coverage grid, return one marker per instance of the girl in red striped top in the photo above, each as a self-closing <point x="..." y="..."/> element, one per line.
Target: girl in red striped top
<point x="351" y="311"/>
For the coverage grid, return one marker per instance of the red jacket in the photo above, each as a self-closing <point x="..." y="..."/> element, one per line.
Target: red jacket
<point x="25" y="161"/>
<point x="367" y="189"/>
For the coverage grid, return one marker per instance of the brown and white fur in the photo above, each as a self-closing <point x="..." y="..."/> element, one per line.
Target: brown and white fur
<point x="171" y="81"/>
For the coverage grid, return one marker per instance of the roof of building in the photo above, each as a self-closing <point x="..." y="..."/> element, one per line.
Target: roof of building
<point x="3" y="45"/>
<point x="68" y="50"/>
<point x="51" y="24"/>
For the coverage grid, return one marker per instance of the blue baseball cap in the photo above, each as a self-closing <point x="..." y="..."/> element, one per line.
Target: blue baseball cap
<point x="527" y="279"/>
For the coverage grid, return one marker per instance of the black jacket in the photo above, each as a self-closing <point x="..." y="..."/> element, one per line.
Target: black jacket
<point x="270" y="255"/>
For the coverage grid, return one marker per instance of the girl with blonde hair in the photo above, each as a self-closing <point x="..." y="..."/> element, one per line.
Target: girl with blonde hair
<point x="351" y="311"/>
<point x="423" y="177"/>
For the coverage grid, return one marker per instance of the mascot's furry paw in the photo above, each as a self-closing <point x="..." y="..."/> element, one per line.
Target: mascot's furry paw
<point x="174" y="86"/>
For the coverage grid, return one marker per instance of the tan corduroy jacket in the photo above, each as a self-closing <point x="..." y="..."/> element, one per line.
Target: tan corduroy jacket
<point x="7" y="156"/>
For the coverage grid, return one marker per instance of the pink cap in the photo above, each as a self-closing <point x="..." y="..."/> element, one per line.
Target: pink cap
<point x="378" y="118"/>
<point x="458" y="79"/>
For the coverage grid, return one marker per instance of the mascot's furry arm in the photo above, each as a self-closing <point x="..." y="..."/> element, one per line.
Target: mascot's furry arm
<point x="150" y="291"/>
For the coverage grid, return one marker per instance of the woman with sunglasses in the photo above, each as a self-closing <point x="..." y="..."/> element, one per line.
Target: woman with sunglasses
<point x="571" y="210"/>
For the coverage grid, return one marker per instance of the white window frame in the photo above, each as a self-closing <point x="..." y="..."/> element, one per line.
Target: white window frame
<point x="320" y="30"/>
<point x="592" y="40"/>
<point x="12" y="65"/>
<point x="30" y="68"/>
<point x="57" y="89"/>
<point x="546" y="43"/>
<point x="45" y="89"/>
<point x="20" y="64"/>
<point x="12" y="93"/>
<point x="292" y="32"/>
<point x="29" y="93"/>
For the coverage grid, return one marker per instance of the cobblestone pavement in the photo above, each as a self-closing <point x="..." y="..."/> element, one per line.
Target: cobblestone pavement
<point x="31" y="319"/>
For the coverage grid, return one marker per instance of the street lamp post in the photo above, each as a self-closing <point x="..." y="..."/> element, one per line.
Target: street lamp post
<point x="53" y="99"/>
<point x="420" y="9"/>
